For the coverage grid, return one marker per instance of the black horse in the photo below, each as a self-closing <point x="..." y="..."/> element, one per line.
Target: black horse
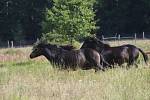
<point x="84" y="58"/>
<point x="115" y="55"/>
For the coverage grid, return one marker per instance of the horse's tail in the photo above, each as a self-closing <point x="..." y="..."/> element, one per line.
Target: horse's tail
<point x="145" y="56"/>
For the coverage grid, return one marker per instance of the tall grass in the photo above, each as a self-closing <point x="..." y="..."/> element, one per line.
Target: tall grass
<point x="25" y="79"/>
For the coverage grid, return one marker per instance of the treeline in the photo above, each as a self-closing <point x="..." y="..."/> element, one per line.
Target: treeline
<point x="29" y="19"/>
<point x="123" y="16"/>
<point x="21" y="19"/>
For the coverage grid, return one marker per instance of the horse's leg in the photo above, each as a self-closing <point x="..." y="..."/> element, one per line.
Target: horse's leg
<point x="135" y="59"/>
<point x="112" y="66"/>
<point x="99" y="66"/>
<point x="104" y="63"/>
<point x="135" y="64"/>
<point x="94" y="59"/>
<point x="112" y="63"/>
<point x="130" y="62"/>
<point x="73" y="67"/>
<point x="121" y="62"/>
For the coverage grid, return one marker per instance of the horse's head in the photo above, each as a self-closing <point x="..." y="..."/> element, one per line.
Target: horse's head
<point x="92" y="43"/>
<point x="41" y="49"/>
<point x="37" y="50"/>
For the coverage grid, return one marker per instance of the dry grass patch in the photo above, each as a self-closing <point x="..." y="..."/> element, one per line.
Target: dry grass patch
<point x="25" y="79"/>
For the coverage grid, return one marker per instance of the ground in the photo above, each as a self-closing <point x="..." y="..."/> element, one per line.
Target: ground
<point x="24" y="79"/>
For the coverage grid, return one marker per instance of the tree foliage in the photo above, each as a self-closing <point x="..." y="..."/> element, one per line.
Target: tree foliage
<point x="69" y="19"/>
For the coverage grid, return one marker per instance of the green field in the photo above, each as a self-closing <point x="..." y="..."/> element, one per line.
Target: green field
<point x="24" y="79"/>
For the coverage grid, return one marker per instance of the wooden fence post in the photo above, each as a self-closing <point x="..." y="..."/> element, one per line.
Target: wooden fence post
<point x="143" y="35"/>
<point x="135" y="38"/>
<point x="118" y="39"/>
<point x="12" y="44"/>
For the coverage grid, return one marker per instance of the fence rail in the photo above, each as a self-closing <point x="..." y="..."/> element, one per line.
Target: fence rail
<point x="122" y="37"/>
<point x="116" y="38"/>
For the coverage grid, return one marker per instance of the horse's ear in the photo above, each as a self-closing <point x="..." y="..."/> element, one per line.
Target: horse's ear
<point x="37" y="42"/>
<point x="43" y="41"/>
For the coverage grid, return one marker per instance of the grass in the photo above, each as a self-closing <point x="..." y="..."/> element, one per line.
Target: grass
<point x="25" y="79"/>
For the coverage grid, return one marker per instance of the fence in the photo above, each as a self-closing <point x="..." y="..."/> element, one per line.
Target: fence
<point x="118" y="38"/>
<point x="23" y="43"/>
<point x="12" y="44"/>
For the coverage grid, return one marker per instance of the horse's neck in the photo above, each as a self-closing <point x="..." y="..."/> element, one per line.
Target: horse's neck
<point x="48" y="54"/>
<point x="106" y="46"/>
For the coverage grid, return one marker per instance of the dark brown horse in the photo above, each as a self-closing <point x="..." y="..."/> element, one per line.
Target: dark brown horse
<point x="83" y="58"/>
<point x="115" y="55"/>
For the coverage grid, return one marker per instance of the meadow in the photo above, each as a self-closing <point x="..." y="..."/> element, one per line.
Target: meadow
<point x="22" y="78"/>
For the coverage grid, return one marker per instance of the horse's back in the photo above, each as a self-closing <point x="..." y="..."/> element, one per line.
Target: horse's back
<point x="116" y="50"/>
<point x="133" y="50"/>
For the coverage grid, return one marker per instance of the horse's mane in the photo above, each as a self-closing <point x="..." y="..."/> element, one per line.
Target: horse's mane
<point x="106" y="45"/>
<point x="98" y="41"/>
<point x="67" y="47"/>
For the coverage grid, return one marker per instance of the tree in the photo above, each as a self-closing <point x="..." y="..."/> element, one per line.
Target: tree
<point x="69" y="20"/>
<point x="21" y="19"/>
<point x="106" y="15"/>
<point x="123" y="16"/>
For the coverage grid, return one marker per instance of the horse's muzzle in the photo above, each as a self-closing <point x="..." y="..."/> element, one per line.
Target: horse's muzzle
<point x="31" y="56"/>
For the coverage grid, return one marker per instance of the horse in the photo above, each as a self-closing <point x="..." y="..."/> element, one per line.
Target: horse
<point x="115" y="55"/>
<point x="69" y="59"/>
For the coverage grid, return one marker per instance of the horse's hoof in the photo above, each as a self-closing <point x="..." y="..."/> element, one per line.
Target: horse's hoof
<point x="103" y="70"/>
<point x="96" y="71"/>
